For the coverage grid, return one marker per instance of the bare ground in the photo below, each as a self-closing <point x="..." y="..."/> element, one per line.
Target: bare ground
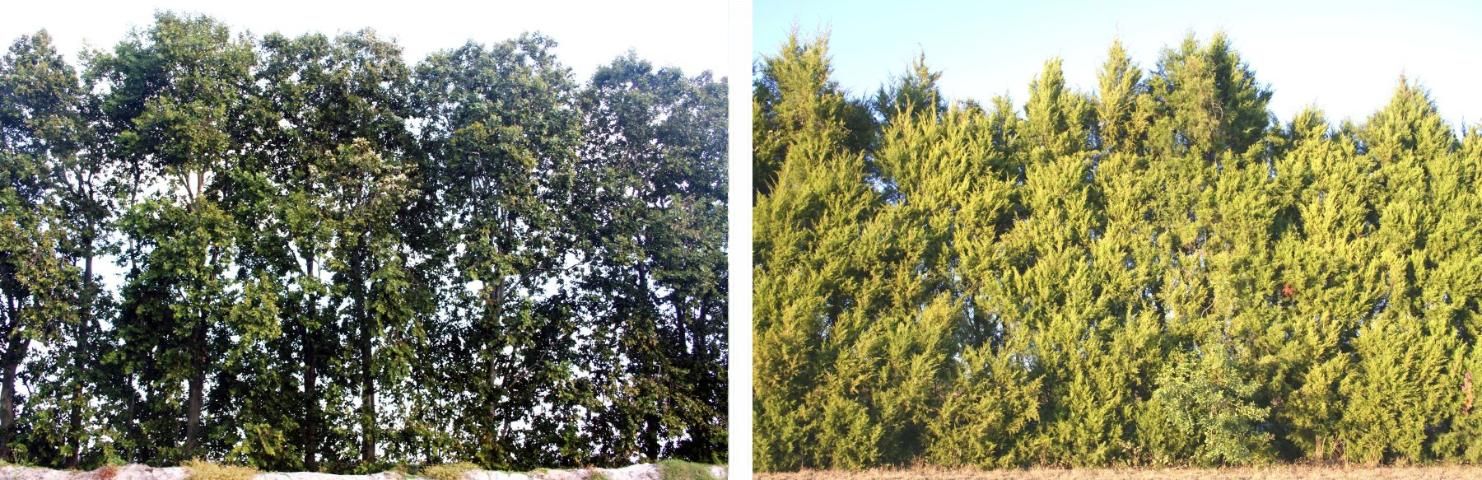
<point x="1287" y="472"/>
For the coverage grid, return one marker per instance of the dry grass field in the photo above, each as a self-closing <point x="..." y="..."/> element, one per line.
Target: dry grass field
<point x="1286" y="472"/>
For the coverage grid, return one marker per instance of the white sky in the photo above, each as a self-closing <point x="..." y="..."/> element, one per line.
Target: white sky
<point x="690" y="34"/>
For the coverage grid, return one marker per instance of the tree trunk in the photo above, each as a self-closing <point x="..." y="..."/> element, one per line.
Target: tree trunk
<point x="311" y="403"/>
<point x="682" y="331"/>
<point x="702" y="354"/>
<point x="651" y="437"/>
<point x="74" y="427"/>
<point x="197" y="384"/>
<point x="367" y="382"/>
<point x="368" y="400"/>
<point x="13" y="354"/>
<point x="197" y="377"/>
<point x="311" y="380"/>
<point x="496" y="310"/>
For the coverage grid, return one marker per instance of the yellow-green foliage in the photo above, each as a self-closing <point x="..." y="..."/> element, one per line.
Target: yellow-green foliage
<point x="1153" y="273"/>
<point x="447" y="471"/>
<point x="203" y="470"/>
<point x="682" y="470"/>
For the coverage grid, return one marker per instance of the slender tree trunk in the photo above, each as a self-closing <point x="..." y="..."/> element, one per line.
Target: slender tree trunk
<point x="7" y="410"/>
<point x="682" y="331"/>
<point x="705" y="373"/>
<point x="651" y="437"/>
<point x="7" y="390"/>
<point x="496" y="310"/>
<point x="368" y="399"/>
<point x="367" y="382"/>
<point x="15" y="351"/>
<point x="311" y="403"/>
<point x="311" y="379"/>
<point x="84" y="339"/>
<point x="197" y="384"/>
<point x="197" y="347"/>
<point x="74" y="428"/>
<point x="702" y="354"/>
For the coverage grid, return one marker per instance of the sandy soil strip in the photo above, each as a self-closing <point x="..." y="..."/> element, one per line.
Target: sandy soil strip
<point x="1265" y="473"/>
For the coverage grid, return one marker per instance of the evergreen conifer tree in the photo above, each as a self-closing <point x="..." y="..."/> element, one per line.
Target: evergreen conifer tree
<point x="1160" y="274"/>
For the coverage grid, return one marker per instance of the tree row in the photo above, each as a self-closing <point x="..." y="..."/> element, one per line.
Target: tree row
<point x="306" y="253"/>
<point x="1155" y="272"/>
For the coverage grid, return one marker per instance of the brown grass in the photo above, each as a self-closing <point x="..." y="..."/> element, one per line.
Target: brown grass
<point x="202" y="470"/>
<point x="1292" y="472"/>
<point x="447" y="471"/>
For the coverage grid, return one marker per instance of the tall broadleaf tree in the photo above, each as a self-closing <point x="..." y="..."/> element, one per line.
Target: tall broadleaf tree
<point x="41" y="134"/>
<point x="178" y="90"/>
<point x="501" y="121"/>
<point x="656" y="139"/>
<point x="324" y="258"/>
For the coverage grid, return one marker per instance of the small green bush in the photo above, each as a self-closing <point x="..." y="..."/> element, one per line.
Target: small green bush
<point x="1202" y="413"/>
<point x="682" y="470"/>
<point x="449" y="471"/>
<point x="203" y="470"/>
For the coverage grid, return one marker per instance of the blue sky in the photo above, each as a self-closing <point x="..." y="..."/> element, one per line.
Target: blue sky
<point x="1344" y="57"/>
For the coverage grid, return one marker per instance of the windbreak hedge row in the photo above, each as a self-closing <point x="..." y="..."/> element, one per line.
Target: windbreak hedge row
<point x="306" y="253"/>
<point x="1156" y="272"/>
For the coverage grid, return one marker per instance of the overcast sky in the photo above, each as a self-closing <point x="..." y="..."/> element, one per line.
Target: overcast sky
<point x="1343" y="56"/>
<point x="690" y="34"/>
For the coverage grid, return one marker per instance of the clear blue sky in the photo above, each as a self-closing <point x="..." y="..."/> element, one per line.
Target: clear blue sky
<point x="1344" y="57"/>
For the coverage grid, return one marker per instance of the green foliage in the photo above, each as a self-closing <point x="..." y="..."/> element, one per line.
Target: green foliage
<point x="202" y="470"/>
<point x="915" y="91"/>
<point x="332" y="260"/>
<point x="1157" y="274"/>
<point x="41" y="132"/>
<point x="654" y="180"/>
<point x="793" y="97"/>
<point x="992" y="402"/>
<point x="447" y="471"/>
<point x="682" y="470"/>
<point x="1201" y="411"/>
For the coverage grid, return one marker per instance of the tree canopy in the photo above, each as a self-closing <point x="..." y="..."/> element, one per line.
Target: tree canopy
<point x="307" y="253"/>
<point x="1155" y="272"/>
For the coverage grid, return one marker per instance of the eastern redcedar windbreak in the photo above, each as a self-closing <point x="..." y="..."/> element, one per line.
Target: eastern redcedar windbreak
<point x="1156" y="272"/>
<point x="331" y="259"/>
